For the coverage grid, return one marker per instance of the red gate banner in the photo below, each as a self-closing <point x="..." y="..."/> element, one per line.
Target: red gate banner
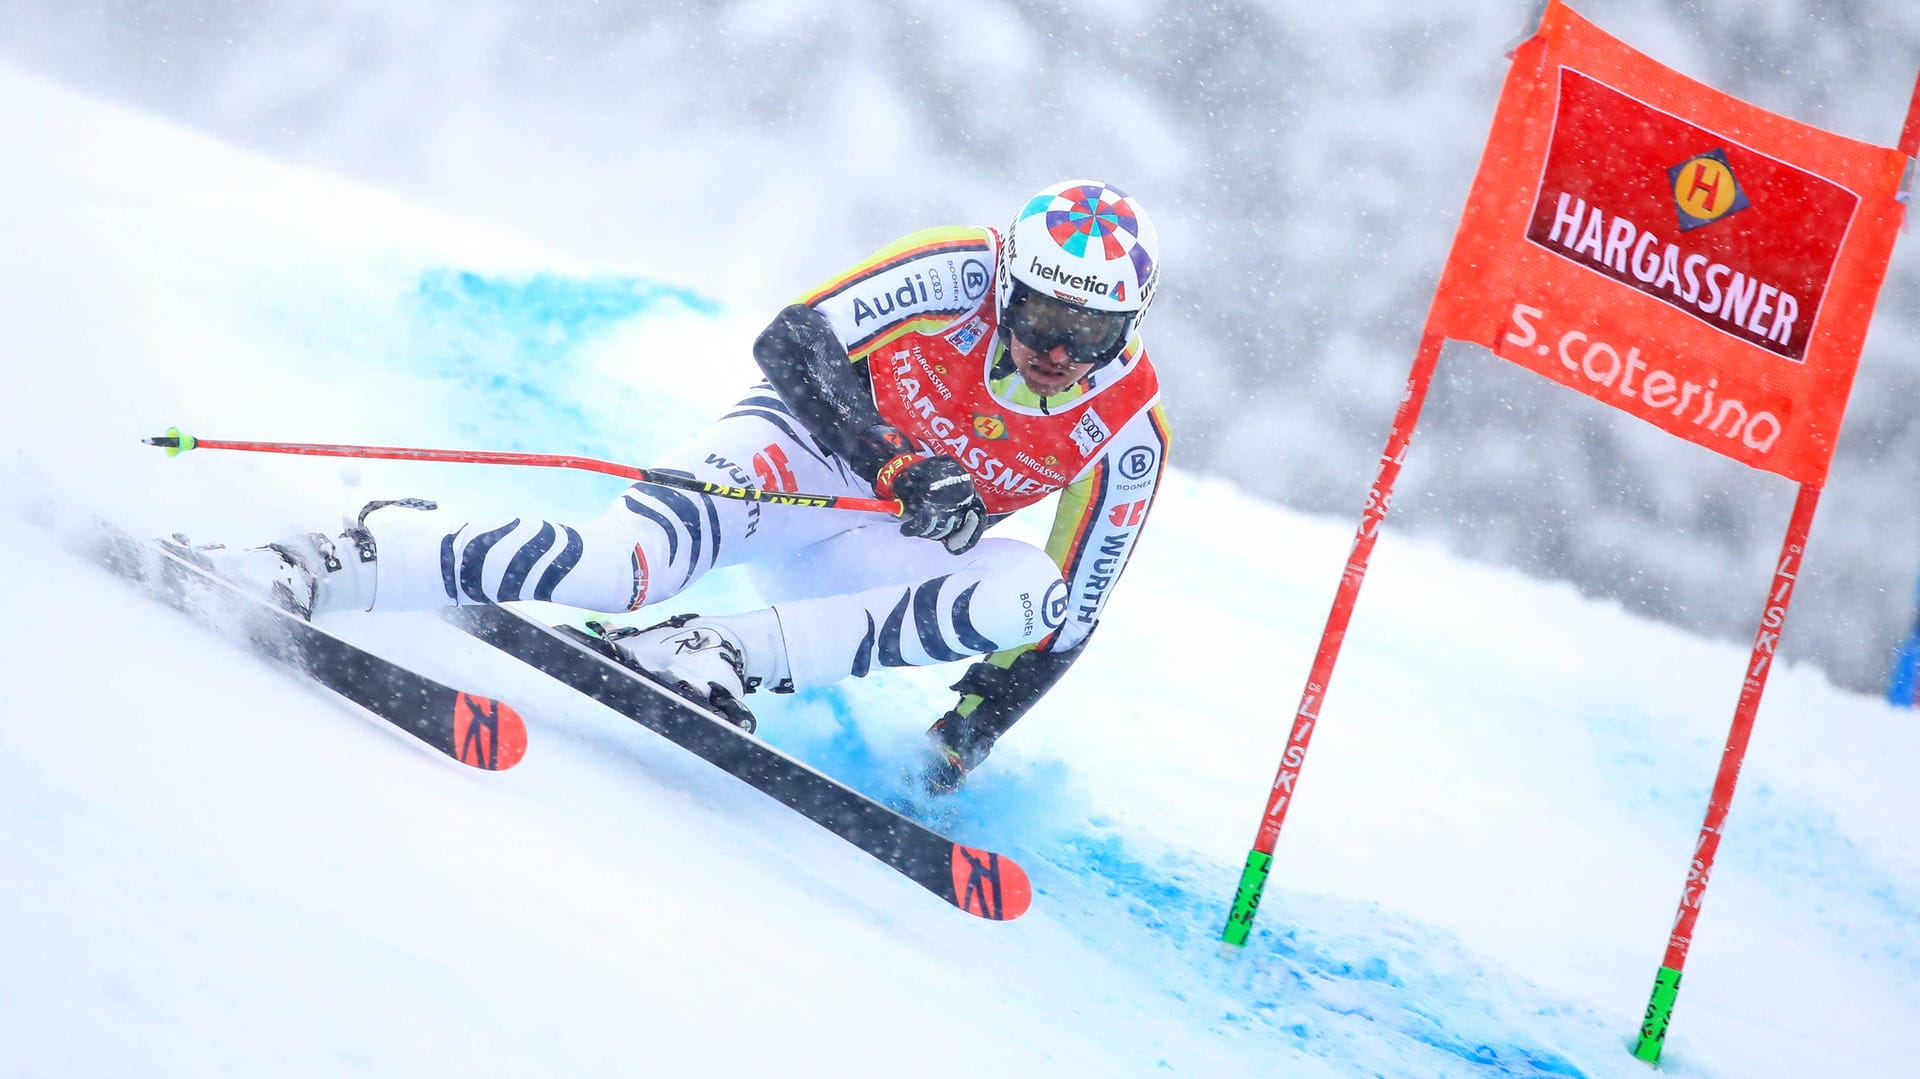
<point x="1674" y="252"/>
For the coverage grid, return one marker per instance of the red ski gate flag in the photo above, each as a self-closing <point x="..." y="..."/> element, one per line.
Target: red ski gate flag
<point x="1672" y="251"/>
<point x="1681" y="256"/>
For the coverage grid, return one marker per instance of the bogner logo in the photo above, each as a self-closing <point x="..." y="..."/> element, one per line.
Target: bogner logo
<point x="1077" y="282"/>
<point x="974" y="278"/>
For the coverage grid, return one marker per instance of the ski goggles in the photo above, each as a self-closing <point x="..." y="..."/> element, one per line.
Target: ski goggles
<point x="1043" y="323"/>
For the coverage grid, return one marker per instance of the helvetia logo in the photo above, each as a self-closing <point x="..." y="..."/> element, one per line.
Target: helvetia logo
<point x="1042" y="271"/>
<point x="1705" y="190"/>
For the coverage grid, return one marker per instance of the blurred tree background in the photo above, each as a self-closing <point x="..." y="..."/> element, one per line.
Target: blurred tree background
<point x="1306" y="165"/>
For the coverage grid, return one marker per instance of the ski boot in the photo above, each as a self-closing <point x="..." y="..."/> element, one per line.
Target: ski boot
<point x="693" y="656"/>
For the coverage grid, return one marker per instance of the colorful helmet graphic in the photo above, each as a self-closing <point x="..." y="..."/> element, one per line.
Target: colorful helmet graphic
<point x="1088" y="245"/>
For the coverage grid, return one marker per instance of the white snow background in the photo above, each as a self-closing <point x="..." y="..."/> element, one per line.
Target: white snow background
<point x="210" y="868"/>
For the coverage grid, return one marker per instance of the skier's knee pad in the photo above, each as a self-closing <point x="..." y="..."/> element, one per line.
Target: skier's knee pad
<point x="1005" y="594"/>
<point x="1020" y="596"/>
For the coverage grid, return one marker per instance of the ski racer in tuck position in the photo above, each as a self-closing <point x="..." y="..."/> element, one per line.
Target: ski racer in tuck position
<point x="964" y="371"/>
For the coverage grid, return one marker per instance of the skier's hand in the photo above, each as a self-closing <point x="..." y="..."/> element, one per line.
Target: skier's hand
<point x="937" y="500"/>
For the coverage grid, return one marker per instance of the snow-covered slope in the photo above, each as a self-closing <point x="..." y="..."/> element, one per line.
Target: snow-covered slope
<point x="210" y="868"/>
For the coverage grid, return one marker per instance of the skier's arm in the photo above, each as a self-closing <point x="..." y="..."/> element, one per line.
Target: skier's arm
<point x="831" y="393"/>
<point x="815" y="352"/>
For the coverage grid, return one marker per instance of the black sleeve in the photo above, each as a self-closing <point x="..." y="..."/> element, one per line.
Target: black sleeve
<point x="831" y="394"/>
<point x="994" y="695"/>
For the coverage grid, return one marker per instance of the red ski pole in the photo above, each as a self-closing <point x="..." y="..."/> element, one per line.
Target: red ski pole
<point x="176" y="443"/>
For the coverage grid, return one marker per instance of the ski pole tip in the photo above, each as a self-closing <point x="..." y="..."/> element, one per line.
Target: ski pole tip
<point x="174" y="442"/>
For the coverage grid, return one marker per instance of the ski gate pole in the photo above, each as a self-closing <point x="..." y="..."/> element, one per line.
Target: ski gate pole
<point x="1766" y="641"/>
<point x="1253" y="876"/>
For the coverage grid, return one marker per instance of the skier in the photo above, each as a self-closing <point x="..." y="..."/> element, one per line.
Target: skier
<point x="966" y="372"/>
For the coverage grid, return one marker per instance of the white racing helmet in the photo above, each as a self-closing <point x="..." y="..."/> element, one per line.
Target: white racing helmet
<point x="1078" y="267"/>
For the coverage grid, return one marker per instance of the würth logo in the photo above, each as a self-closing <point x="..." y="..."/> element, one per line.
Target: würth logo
<point x="1705" y="190"/>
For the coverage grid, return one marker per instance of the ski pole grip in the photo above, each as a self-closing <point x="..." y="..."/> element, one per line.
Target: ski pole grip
<point x="175" y="442"/>
<point x="673" y="477"/>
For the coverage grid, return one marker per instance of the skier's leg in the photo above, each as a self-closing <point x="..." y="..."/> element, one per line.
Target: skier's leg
<point x="394" y="560"/>
<point x="606" y="564"/>
<point x="1002" y="594"/>
<point x="651" y="544"/>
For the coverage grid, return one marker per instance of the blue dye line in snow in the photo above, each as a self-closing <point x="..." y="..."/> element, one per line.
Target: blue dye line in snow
<point x="544" y="317"/>
<point x="512" y="344"/>
<point x="1788" y="838"/>
<point x="1168" y="917"/>
<point x="1293" y="973"/>
<point x="1805" y="849"/>
<point x="1514" y="1060"/>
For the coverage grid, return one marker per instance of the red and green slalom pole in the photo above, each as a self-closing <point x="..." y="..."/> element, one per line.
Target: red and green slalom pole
<point x="175" y="442"/>
<point x="1253" y="876"/>
<point x="1666" y="983"/>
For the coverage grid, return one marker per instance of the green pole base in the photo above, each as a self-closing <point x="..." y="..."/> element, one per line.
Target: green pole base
<point x="1246" y="898"/>
<point x="1653" y="1032"/>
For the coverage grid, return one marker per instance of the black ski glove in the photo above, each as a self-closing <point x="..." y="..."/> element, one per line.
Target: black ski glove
<point x="992" y="699"/>
<point x="937" y="499"/>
